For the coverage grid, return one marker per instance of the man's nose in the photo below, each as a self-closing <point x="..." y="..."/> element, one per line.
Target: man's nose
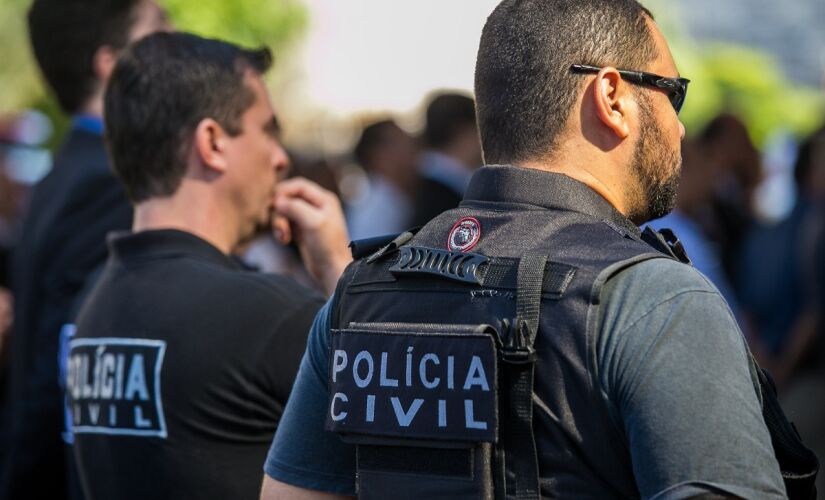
<point x="280" y="161"/>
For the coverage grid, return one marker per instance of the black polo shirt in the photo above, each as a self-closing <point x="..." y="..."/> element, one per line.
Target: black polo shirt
<point x="180" y="368"/>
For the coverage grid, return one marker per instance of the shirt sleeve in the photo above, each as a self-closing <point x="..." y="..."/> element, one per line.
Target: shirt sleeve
<point x="303" y="453"/>
<point x="674" y="368"/>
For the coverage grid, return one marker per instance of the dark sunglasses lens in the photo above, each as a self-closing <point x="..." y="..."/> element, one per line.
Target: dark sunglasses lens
<point x="677" y="99"/>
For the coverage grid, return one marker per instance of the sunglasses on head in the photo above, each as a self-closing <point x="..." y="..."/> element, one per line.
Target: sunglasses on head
<point x="676" y="88"/>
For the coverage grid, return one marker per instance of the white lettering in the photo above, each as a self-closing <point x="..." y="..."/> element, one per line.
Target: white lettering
<point x="442" y="413"/>
<point x="136" y="383"/>
<point x="87" y="387"/>
<point x="476" y="375"/>
<point x="468" y="417"/>
<point x="370" y="408"/>
<point x="139" y="420"/>
<point x="107" y="386"/>
<point x="409" y="366"/>
<point x="98" y="367"/>
<point x="422" y="371"/>
<point x="72" y="387"/>
<point x="337" y="417"/>
<point x="121" y="361"/>
<point x="339" y="363"/>
<point x="405" y="418"/>
<point x="450" y="372"/>
<point x="362" y="356"/>
<point x="94" y="413"/>
<point x="385" y="381"/>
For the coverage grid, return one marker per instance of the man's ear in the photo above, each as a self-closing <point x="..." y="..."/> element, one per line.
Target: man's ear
<point x="103" y="63"/>
<point x="210" y="145"/>
<point x="610" y="94"/>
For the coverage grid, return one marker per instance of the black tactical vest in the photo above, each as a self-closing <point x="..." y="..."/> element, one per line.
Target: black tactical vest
<point x="462" y="358"/>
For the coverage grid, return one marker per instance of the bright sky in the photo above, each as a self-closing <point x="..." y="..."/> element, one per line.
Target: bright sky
<point x="378" y="54"/>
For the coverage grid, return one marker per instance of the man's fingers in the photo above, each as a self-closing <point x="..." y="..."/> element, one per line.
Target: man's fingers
<point x="299" y="211"/>
<point x="299" y="187"/>
<point x="281" y="229"/>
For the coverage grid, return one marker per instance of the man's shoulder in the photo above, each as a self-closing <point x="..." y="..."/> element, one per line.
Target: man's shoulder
<point x="655" y="291"/>
<point x="64" y="201"/>
<point x="656" y="279"/>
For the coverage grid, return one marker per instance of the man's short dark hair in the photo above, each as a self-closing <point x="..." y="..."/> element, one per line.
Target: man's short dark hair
<point x="447" y="115"/>
<point x="372" y="137"/>
<point x="523" y="85"/>
<point x="65" y="34"/>
<point x="161" y="89"/>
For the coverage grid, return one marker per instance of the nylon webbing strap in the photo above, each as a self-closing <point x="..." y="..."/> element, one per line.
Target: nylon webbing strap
<point x="521" y="460"/>
<point x="528" y="293"/>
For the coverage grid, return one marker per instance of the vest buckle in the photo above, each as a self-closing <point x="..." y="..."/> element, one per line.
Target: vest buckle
<point x="515" y="349"/>
<point x="518" y="355"/>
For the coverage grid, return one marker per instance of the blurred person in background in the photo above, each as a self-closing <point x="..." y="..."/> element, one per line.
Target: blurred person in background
<point x="453" y="154"/>
<point x="730" y="152"/>
<point x="22" y="163"/>
<point x="778" y="281"/>
<point x="211" y="348"/>
<point x="388" y="155"/>
<point x="695" y="195"/>
<point x="801" y="362"/>
<point x="76" y="44"/>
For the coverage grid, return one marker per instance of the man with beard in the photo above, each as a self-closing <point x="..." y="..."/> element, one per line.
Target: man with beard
<point x="183" y="359"/>
<point x="533" y="342"/>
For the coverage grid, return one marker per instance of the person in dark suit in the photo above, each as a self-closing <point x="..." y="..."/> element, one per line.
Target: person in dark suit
<point x="453" y="153"/>
<point x="76" y="45"/>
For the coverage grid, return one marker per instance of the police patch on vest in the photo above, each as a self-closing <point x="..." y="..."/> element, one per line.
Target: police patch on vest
<point x="113" y="386"/>
<point x="464" y="235"/>
<point x="414" y="384"/>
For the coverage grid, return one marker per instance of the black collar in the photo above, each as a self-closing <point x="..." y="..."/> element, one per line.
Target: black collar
<point x="508" y="184"/>
<point x="165" y="243"/>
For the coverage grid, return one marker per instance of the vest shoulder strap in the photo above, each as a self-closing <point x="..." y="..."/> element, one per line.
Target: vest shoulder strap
<point x="516" y="456"/>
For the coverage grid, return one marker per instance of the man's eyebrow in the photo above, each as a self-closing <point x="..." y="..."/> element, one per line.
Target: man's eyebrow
<point x="273" y="127"/>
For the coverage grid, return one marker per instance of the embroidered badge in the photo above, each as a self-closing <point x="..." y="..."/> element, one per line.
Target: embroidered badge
<point x="464" y="235"/>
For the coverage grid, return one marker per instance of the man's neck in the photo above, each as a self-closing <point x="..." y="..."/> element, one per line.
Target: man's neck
<point x="93" y="107"/>
<point x="590" y="173"/>
<point x="205" y="220"/>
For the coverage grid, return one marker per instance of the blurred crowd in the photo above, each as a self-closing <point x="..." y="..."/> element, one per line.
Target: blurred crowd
<point x="771" y="272"/>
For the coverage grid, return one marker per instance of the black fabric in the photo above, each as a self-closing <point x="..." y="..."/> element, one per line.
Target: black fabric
<point x="581" y="452"/>
<point x="666" y="242"/>
<point x="63" y="239"/>
<point x="518" y="442"/>
<point x="221" y="347"/>
<point x="431" y="199"/>
<point x="799" y="465"/>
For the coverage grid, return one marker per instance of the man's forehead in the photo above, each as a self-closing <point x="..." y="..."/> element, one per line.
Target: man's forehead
<point x="663" y="64"/>
<point x="263" y="101"/>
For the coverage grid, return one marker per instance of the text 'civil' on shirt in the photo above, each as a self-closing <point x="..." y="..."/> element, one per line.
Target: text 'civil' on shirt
<point x="179" y="369"/>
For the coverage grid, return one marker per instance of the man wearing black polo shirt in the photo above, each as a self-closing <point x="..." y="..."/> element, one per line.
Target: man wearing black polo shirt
<point x="182" y="360"/>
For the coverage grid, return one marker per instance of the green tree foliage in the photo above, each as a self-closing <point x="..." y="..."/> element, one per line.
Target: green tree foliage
<point x="246" y="22"/>
<point x="750" y="84"/>
<point x="273" y="23"/>
<point x="732" y="78"/>
<point x="19" y="83"/>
